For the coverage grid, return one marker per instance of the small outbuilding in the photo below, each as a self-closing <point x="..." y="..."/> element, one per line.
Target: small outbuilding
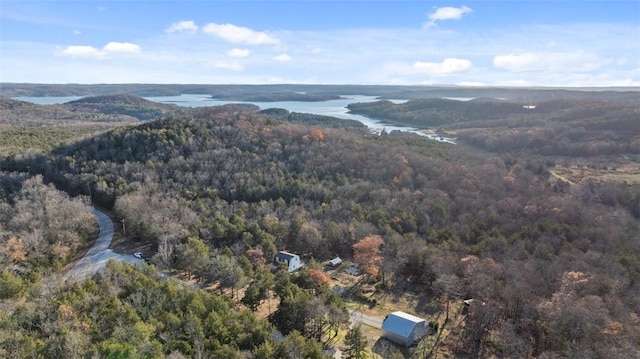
<point x="404" y="329"/>
<point x="335" y="262"/>
<point x="353" y="270"/>
<point x="291" y="260"/>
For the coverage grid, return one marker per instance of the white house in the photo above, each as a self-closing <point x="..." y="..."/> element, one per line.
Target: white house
<point x="404" y="329"/>
<point x="291" y="260"/>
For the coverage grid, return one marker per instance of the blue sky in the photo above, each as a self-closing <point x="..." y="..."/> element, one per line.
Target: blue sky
<point x="475" y="42"/>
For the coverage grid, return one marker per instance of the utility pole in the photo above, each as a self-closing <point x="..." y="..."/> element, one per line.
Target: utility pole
<point x="124" y="231"/>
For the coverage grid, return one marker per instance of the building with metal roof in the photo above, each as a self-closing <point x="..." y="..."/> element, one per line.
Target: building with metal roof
<point x="404" y="329"/>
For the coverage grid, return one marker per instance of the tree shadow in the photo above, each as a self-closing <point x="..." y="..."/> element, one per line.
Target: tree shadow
<point x="388" y="350"/>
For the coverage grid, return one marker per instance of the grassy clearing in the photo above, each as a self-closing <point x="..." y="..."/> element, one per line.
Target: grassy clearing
<point x="626" y="171"/>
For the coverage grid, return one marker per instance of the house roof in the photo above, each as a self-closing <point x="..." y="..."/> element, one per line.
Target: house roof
<point x="285" y="255"/>
<point x="401" y="323"/>
<point x="335" y="261"/>
<point x="353" y="271"/>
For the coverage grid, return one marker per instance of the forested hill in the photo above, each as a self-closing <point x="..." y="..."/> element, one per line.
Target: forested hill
<point x="124" y="105"/>
<point x="430" y="112"/>
<point x="25" y="126"/>
<point x="558" y="266"/>
<point x="494" y="227"/>
<point x="107" y="108"/>
<point x="563" y="127"/>
<point x="242" y="153"/>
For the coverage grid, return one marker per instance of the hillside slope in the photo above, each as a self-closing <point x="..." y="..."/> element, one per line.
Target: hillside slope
<point x="455" y="222"/>
<point x="124" y="105"/>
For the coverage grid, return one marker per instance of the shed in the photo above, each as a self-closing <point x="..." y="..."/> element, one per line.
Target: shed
<point x="291" y="260"/>
<point x="335" y="262"/>
<point x="353" y="271"/>
<point x="404" y="329"/>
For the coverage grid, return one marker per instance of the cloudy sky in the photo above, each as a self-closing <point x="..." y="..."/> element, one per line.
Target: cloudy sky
<point x="473" y="42"/>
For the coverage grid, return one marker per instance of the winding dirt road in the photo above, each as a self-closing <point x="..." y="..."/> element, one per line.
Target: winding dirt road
<point x="99" y="254"/>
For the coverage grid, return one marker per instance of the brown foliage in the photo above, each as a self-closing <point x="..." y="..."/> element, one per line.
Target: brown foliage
<point x="256" y="256"/>
<point x="15" y="250"/>
<point x="367" y="254"/>
<point x="317" y="135"/>
<point x="319" y="277"/>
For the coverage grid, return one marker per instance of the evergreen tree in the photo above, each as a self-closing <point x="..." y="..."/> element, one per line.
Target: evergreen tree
<point x="252" y="296"/>
<point x="355" y="344"/>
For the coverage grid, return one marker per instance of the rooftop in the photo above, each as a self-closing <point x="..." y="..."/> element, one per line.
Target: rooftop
<point x="407" y="316"/>
<point x="285" y="255"/>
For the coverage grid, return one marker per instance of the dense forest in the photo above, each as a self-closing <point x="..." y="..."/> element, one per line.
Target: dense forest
<point x="558" y="127"/>
<point x="26" y="127"/>
<point x="92" y="109"/>
<point x="218" y="190"/>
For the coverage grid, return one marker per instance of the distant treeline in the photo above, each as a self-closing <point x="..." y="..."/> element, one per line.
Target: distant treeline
<point x="557" y="127"/>
<point x="318" y="92"/>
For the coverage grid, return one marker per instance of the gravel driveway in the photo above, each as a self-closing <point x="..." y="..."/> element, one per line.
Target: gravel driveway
<point x="359" y="317"/>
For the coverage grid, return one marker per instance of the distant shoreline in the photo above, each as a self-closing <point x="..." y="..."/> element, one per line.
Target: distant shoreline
<point x="313" y="93"/>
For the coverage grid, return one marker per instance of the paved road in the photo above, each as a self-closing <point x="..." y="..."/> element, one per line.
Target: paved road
<point x="97" y="257"/>
<point x="359" y="317"/>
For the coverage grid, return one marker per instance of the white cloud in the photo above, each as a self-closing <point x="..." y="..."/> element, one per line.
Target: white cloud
<point x="446" y="13"/>
<point x="515" y="83"/>
<point x="275" y="80"/>
<point x="182" y="26"/>
<point x="517" y="55"/>
<point x="449" y="66"/>
<point x="92" y="52"/>
<point x="521" y="62"/>
<point x="627" y="82"/>
<point x="234" y="66"/>
<point x="471" y="84"/>
<point x="282" y="58"/>
<point x="239" y="35"/>
<point x="122" y="47"/>
<point x="622" y="61"/>
<point x="238" y="53"/>
<point x="550" y="61"/>
<point x="81" y="51"/>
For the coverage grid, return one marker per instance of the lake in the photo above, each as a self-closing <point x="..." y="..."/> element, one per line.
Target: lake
<point x="336" y="108"/>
